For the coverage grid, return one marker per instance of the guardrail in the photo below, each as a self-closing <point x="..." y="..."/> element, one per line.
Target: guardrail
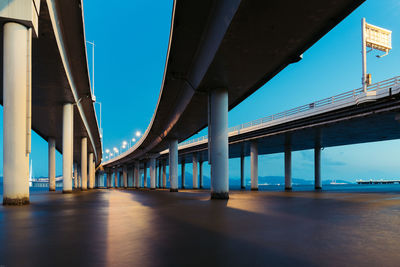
<point x="382" y="85"/>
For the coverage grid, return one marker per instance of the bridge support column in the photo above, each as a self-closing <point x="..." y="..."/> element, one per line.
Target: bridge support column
<point x="79" y="177"/>
<point x="164" y="175"/>
<point x="67" y="139"/>
<point x="195" y="175"/>
<point x="254" y="165"/>
<point x="75" y="175"/>
<point x="125" y="176"/>
<point x="159" y="173"/>
<point x="218" y="143"/>
<point x="183" y="173"/>
<point x="116" y="177"/>
<point x="84" y="163"/>
<point x="52" y="164"/>
<point x="145" y="174"/>
<point x="288" y="167"/>
<point x="173" y="165"/>
<point x="242" y="177"/>
<point x="317" y="166"/>
<point x="91" y="174"/>
<point x="137" y="174"/>
<point x="16" y="114"/>
<point x="109" y="178"/>
<point x="201" y="174"/>
<point x="152" y="173"/>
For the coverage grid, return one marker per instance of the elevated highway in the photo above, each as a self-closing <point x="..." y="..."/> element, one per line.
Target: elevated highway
<point x="45" y="86"/>
<point x="219" y="53"/>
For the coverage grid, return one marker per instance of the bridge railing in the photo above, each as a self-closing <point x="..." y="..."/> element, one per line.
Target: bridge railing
<point x="353" y="94"/>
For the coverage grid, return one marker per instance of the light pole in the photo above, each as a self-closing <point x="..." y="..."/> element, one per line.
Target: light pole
<point x="130" y="143"/>
<point x="93" y="96"/>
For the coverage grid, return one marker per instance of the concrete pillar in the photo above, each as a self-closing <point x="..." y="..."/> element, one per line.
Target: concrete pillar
<point x="159" y="174"/>
<point x="164" y="175"/>
<point x="218" y="143"/>
<point x="173" y="165"/>
<point x="52" y="164"/>
<point x="242" y="177"/>
<point x="145" y="174"/>
<point x="91" y="174"/>
<point x="288" y="167"/>
<point x="109" y="178"/>
<point x="152" y="173"/>
<point x="68" y="127"/>
<point x="84" y="163"/>
<point x="317" y="166"/>
<point x="79" y="177"/>
<point x="183" y="174"/>
<point x="125" y="176"/>
<point x="195" y="175"/>
<point x="116" y="177"/>
<point x="17" y="45"/>
<point x="137" y="173"/>
<point x="254" y="165"/>
<point x="75" y="175"/>
<point x="201" y="174"/>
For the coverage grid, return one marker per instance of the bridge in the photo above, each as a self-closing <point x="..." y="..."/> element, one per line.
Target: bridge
<point x="338" y="120"/>
<point x="219" y="53"/>
<point x="45" y="87"/>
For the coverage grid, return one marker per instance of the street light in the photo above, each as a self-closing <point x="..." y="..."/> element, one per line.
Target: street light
<point x="130" y="142"/>
<point x="138" y="133"/>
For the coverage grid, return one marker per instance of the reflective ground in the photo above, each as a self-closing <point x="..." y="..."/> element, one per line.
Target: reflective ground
<point x="158" y="228"/>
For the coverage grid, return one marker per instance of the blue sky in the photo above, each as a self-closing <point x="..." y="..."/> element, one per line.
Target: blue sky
<point x="131" y="44"/>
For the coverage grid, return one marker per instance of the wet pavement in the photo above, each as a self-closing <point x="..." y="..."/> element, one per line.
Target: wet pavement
<point x="159" y="228"/>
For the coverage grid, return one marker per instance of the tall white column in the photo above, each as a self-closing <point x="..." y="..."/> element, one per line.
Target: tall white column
<point x="145" y="174"/>
<point x="84" y="164"/>
<point x="16" y="102"/>
<point x="152" y="173"/>
<point x="254" y="165"/>
<point x="164" y="175"/>
<point x="317" y="166"/>
<point x="75" y="175"/>
<point x="218" y="143"/>
<point x="173" y="165"/>
<point x="242" y="177"/>
<point x="183" y="174"/>
<point x="125" y="176"/>
<point x="67" y="140"/>
<point x="288" y="167"/>
<point x="195" y="174"/>
<point x="201" y="174"/>
<point x="91" y="173"/>
<point x="52" y="164"/>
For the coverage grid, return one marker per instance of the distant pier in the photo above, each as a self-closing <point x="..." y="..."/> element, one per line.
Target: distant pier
<point x="378" y="181"/>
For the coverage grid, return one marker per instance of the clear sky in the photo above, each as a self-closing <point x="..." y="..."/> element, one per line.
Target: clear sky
<point x="131" y="44"/>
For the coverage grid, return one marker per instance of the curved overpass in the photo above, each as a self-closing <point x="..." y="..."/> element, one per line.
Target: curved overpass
<point x="57" y="75"/>
<point x="235" y="45"/>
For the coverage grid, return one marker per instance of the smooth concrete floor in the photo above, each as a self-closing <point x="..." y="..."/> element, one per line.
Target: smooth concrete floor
<point x="158" y="228"/>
